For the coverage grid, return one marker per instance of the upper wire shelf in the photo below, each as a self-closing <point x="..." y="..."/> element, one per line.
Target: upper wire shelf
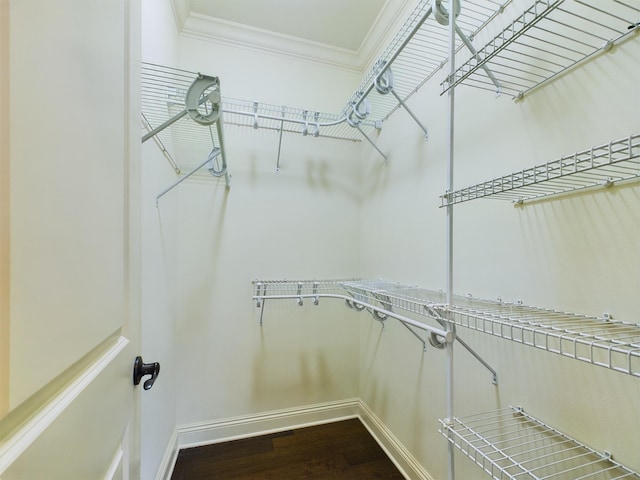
<point x="601" y="165"/>
<point x="510" y="444"/>
<point x="416" y="53"/>
<point x="548" y="39"/>
<point x="186" y="144"/>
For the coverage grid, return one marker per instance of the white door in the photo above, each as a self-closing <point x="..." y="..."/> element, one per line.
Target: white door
<point x="69" y="239"/>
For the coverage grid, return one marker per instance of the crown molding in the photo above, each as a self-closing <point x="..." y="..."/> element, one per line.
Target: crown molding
<point x="243" y="36"/>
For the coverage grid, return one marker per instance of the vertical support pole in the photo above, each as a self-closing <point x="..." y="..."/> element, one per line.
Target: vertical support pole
<point x="227" y="177"/>
<point x="449" y="234"/>
<point x="280" y="141"/>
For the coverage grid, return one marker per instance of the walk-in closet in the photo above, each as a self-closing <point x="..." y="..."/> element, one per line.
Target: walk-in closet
<point x="434" y="230"/>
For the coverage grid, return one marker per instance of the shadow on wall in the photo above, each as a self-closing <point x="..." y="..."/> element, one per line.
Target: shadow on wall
<point x="560" y="233"/>
<point x="376" y="173"/>
<point x="319" y="178"/>
<point x="282" y="375"/>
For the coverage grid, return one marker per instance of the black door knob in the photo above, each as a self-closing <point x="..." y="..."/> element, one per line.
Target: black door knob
<point x="140" y="369"/>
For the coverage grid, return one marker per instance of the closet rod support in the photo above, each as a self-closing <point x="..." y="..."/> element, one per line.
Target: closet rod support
<point x="372" y="143"/>
<point x="479" y="358"/>
<point x="147" y="126"/>
<point x="424" y="344"/>
<point x="216" y="152"/>
<point x="486" y="69"/>
<point x="442" y="321"/>
<point x="172" y="120"/>
<point x="404" y="105"/>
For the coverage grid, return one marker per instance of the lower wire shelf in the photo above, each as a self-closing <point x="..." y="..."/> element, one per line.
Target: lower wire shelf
<point x="604" y="342"/>
<point x="510" y="444"/>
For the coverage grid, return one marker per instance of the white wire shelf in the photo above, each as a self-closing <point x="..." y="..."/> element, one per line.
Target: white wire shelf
<point x="186" y="143"/>
<point x="604" y="342"/>
<point x="510" y="444"/>
<point x="598" y="341"/>
<point x="417" y="52"/>
<point x="409" y="299"/>
<point x="381" y="307"/>
<point x="548" y="39"/>
<point x="382" y="299"/>
<point x="602" y="165"/>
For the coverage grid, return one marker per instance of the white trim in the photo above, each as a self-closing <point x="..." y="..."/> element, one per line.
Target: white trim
<point x="169" y="458"/>
<point x="265" y="423"/>
<point x="224" y="32"/>
<point x="206" y="433"/>
<point x="115" y="466"/>
<point x="242" y="36"/>
<point x="395" y="450"/>
<point x="29" y="432"/>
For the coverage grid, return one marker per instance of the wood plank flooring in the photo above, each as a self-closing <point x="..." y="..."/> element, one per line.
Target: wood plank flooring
<point x="340" y="450"/>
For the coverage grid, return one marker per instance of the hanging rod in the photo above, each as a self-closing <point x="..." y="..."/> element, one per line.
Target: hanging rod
<point x="366" y="295"/>
<point x="601" y="165"/>
<point x="302" y="121"/>
<point x="547" y="40"/>
<point x="315" y="290"/>
<point x="414" y="300"/>
<point x="164" y="91"/>
<point x="511" y="444"/>
<point x="603" y="341"/>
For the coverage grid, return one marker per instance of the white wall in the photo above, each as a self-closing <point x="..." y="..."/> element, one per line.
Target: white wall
<point x="159" y="256"/>
<point x="328" y="214"/>
<point x="203" y="246"/>
<point x="301" y="223"/>
<point x="578" y="253"/>
<point x="269" y="77"/>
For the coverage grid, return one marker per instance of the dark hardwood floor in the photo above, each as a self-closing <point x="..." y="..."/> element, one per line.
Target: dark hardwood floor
<point x="340" y="450"/>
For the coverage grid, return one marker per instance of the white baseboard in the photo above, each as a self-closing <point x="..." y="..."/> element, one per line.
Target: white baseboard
<point x="399" y="455"/>
<point x="169" y="458"/>
<point x="205" y="433"/>
<point x="227" y="429"/>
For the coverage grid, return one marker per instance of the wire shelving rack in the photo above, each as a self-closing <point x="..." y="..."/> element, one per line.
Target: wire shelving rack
<point x="548" y="39"/>
<point x="601" y="165"/>
<point x="599" y="341"/>
<point x="510" y="444"/>
<point x="416" y="53"/>
<point x="604" y="342"/>
<point x="186" y="144"/>
<point x="379" y="305"/>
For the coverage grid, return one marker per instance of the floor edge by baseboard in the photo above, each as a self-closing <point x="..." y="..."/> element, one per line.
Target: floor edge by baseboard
<point x="217" y="431"/>
<point x="227" y="429"/>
